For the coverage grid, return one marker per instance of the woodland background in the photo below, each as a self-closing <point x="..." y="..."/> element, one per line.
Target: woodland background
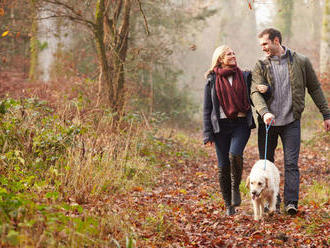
<point x="100" y="123"/>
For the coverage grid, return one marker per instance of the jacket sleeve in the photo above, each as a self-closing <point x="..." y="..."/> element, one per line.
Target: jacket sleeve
<point x="257" y="98"/>
<point x="314" y="89"/>
<point x="208" y="134"/>
<point x="268" y="93"/>
<point x="265" y="95"/>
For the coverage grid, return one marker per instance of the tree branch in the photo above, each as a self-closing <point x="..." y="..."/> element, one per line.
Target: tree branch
<point x="144" y="17"/>
<point x="70" y="18"/>
<point x="75" y="15"/>
<point x="116" y="13"/>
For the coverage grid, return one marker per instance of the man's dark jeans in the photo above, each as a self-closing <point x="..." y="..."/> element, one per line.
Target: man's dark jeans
<point x="290" y="137"/>
<point x="232" y="138"/>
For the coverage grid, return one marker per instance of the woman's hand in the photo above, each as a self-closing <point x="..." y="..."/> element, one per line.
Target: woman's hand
<point x="210" y="144"/>
<point x="262" y="88"/>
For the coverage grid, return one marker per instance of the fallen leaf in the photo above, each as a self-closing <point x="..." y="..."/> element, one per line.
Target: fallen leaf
<point x="257" y="235"/>
<point x="137" y="188"/>
<point x="4" y="33"/>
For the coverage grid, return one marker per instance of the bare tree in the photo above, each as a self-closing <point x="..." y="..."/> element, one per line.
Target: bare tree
<point x="109" y="22"/>
<point x="33" y="43"/>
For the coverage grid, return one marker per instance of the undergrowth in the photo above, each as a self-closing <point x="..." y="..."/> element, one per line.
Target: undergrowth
<point x="57" y="165"/>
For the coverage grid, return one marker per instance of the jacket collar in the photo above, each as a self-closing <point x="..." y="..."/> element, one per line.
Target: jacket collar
<point x="288" y="53"/>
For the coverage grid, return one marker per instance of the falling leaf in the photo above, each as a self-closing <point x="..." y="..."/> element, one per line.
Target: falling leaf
<point x="4" y="34"/>
<point x="2" y="12"/>
<point x="193" y="47"/>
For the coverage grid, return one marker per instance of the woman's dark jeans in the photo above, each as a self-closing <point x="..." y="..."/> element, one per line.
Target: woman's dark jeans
<point x="232" y="138"/>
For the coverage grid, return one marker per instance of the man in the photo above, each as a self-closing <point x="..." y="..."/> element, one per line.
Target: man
<point x="288" y="74"/>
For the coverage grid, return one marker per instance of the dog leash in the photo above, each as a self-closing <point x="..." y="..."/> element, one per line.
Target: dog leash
<point x="266" y="143"/>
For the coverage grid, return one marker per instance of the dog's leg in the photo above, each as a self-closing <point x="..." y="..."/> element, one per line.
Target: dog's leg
<point x="272" y="202"/>
<point x="261" y="208"/>
<point x="255" y="210"/>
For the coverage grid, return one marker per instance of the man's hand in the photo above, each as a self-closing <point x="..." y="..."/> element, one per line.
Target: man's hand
<point x="327" y="125"/>
<point x="262" y="88"/>
<point x="268" y="117"/>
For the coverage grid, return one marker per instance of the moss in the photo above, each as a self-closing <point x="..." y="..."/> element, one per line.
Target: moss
<point x="33" y="44"/>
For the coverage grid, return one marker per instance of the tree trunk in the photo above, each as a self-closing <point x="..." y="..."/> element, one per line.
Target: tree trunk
<point x="34" y="44"/>
<point x="283" y="19"/>
<point x="325" y="39"/>
<point x="105" y="86"/>
<point x="112" y="45"/>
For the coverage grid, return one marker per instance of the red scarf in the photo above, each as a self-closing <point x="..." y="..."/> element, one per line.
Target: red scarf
<point x="233" y="98"/>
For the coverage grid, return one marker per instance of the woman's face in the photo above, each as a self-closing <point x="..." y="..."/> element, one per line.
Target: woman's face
<point x="229" y="59"/>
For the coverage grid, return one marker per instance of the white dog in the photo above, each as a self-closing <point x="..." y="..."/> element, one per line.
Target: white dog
<point x="264" y="184"/>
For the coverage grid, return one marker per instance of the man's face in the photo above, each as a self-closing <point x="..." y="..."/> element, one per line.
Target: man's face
<point x="269" y="47"/>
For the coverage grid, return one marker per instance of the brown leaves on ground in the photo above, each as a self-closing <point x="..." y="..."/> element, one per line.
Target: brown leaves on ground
<point x="186" y="209"/>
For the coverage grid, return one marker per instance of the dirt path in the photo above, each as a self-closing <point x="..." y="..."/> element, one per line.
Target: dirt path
<point x="190" y="211"/>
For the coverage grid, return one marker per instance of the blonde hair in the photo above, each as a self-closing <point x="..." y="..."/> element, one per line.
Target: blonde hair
<point x="219" y="52"/>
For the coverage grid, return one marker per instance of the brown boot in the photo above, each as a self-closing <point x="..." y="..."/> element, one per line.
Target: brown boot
<point x="236" y="164"/>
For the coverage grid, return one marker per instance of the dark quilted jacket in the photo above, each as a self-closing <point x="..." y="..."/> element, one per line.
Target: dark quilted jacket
<point x="211" y="108"/>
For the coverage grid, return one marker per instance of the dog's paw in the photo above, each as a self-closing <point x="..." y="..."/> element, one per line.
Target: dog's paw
<point x="271" y="213"/>
<point x="257" y="218"/>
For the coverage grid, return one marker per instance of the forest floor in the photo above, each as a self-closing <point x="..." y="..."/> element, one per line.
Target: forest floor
<point x="192" y="211"/>
<point x="185" y="209"/>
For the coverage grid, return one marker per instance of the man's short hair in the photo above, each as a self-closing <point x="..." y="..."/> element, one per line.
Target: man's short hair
<point x="272" y="33"/>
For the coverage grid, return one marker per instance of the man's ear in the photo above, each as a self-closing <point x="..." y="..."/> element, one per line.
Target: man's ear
<point x="247" y="183"/>
<point x="276" y="41"/>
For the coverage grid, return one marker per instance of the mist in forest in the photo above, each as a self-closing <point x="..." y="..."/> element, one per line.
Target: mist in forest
<point x="48" y="42"/>
<point x="169" y="48"/>
<point x="54" y="35"/>
<point x="237" y="25"/>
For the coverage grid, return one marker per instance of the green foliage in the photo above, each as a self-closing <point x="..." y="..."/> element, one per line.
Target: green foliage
<point x="166" y="151"/>
<point x="50" y="166"/>
<point x="317" y="194"/>
<point x="31" y="137"/>
<point x="130" y="242"/>
<point x="244" y="189"/>
<point x="42" y="45"/>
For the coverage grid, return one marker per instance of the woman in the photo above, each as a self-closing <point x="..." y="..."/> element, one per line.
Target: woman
<point x="228" y="120"/>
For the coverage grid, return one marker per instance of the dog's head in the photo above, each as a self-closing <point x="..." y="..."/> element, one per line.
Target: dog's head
<point x="257" y="184"/>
